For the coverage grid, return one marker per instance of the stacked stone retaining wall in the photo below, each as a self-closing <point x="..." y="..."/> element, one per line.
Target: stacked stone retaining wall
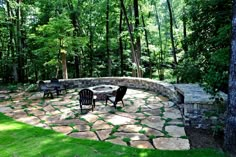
<point x="163" y="88"/>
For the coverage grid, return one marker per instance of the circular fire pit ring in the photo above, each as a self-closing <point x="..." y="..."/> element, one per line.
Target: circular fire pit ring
<point x="102" y="90"/>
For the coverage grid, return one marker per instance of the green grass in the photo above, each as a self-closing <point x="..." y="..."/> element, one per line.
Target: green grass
<point x="23" y="140"/>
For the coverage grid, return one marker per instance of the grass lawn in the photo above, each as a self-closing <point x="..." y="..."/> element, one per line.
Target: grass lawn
<point x="22" y="140"/>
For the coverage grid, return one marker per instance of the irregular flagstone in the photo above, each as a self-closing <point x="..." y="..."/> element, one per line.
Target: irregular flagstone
<point x="171" y="143"/>
<point x="154" y="112"/>
<point x="168" y="104"/>
<point x="154" y="105"/>
<point x="82" y="128"/>
<point x="119" y="120"/>
<point x="56" y="112"/>
<point x="175" y="122"/>
<point x="131" y="109"/>
<point x="144" y="108"/>
<point x="19" y="114"/>
<point x="175" y="131"/>
<point x="5" y="109"/>
<point x="124" y="114"/>
<point x="91" y="118"/>
<point x="67" y="114"/>
<point x="36" y="112"/>
<point x="69" y="121"/>
<point x="132" y="136"/>
<point x="10" y="114"/>
<point x="162" y="98"/>
<point x="63" y="129"/>
<point x="63" y="112"/>
<point x="29" y="120"/>
<point x="139" y="115"/>
<point x="141" y="144"/>
<point x="103" y="134"/>
<point x="153" y="122"/>
<point x="130" y="128"/>
<point x="88" y="135"/>
<point x="49" y="108"/>
<point x="118" y="141"/>
<point x="152" y="132"/>
<point x="98" y="125"/>
<point x="50" y="119"/>
<point x="172" y="113"/>
<point x="43" y="125"/>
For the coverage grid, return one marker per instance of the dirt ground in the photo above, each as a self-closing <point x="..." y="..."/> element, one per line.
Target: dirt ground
<point x="201" y="138"/>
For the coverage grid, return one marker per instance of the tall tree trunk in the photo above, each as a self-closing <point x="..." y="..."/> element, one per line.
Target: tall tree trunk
<point x="185" y="46"/>
<point x="62" y="52"/>
<point x="20" y="58"/>
<point x="131" y="39"/>
<point x="148" y="51"/>
<point x="161" y="56"/>
<point x="64" y="66"/>
<point x="74" y="18"/>
<point x="230" y="129"/>
<point x="121" y="44"/>
<point x="137" y="36"/>
<point x="172" y="33"/>
<point x="107" y="39"/>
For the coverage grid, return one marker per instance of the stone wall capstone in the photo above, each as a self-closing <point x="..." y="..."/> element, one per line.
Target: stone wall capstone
<point x="163" y="88"/>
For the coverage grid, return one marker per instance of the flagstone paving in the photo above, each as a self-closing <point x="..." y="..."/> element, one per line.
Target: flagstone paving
<point x="147" y="120"/>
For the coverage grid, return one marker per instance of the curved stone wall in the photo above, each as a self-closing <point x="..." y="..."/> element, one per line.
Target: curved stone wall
<point x="163" y="88"/>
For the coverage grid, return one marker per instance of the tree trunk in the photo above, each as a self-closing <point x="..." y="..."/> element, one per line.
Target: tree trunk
<point x="230" y="129"/>
<point x="64" y="67"/>
<point x="74" y="18"/>
<point x="20" y="58"/>
<point x="107" y="39"/>
<point x="62" y="52"/>
<point x="171" y="33"/>
<point x="185" y="46"/>
<point x="137" y="41"/>
<point x="161" y="56"/>
<point x="121" y="44"/>
<point x="131" y="39"/>
<point x="148" y="51"/>
<point x="77" y="71"/>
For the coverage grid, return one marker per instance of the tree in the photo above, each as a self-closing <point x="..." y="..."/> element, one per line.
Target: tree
<point x="172" y="33"/>
<point x="230" y="129"/>
<point x="133" y="50"/>
<point x="56" y="39"/>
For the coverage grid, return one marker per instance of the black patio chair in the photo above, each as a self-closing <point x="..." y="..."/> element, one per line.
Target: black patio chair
<point x="86" y="98"/>
<point x="46" y="90"/>
<point x="120" y="93"/>
<point x="57" y="85"/>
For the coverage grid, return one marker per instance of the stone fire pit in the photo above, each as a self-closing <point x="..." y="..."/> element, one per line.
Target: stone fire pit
<point x="102" y="90"/>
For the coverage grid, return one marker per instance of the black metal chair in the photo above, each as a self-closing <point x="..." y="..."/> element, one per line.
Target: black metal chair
<point x="46" y="90"/>
<point x="86" y="98"/>
<point x="58" y="86"/>
<point x="120" y="93"/>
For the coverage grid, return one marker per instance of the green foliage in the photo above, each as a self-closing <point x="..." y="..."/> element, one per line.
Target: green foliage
<point x="12" y="88"/>
<point x="207" y="58"/>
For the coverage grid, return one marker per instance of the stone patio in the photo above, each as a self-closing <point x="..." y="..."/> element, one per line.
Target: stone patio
<point x="148" y="120"/>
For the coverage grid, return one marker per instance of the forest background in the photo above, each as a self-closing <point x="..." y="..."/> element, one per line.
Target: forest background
<point x="176" y="41"/>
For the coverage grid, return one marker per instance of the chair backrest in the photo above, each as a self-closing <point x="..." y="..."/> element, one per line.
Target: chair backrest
<point x="86" y="97"/>
<point x="55" y="82"/>
<point x="120" y="93"/>
<point x="42" y="85"/>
